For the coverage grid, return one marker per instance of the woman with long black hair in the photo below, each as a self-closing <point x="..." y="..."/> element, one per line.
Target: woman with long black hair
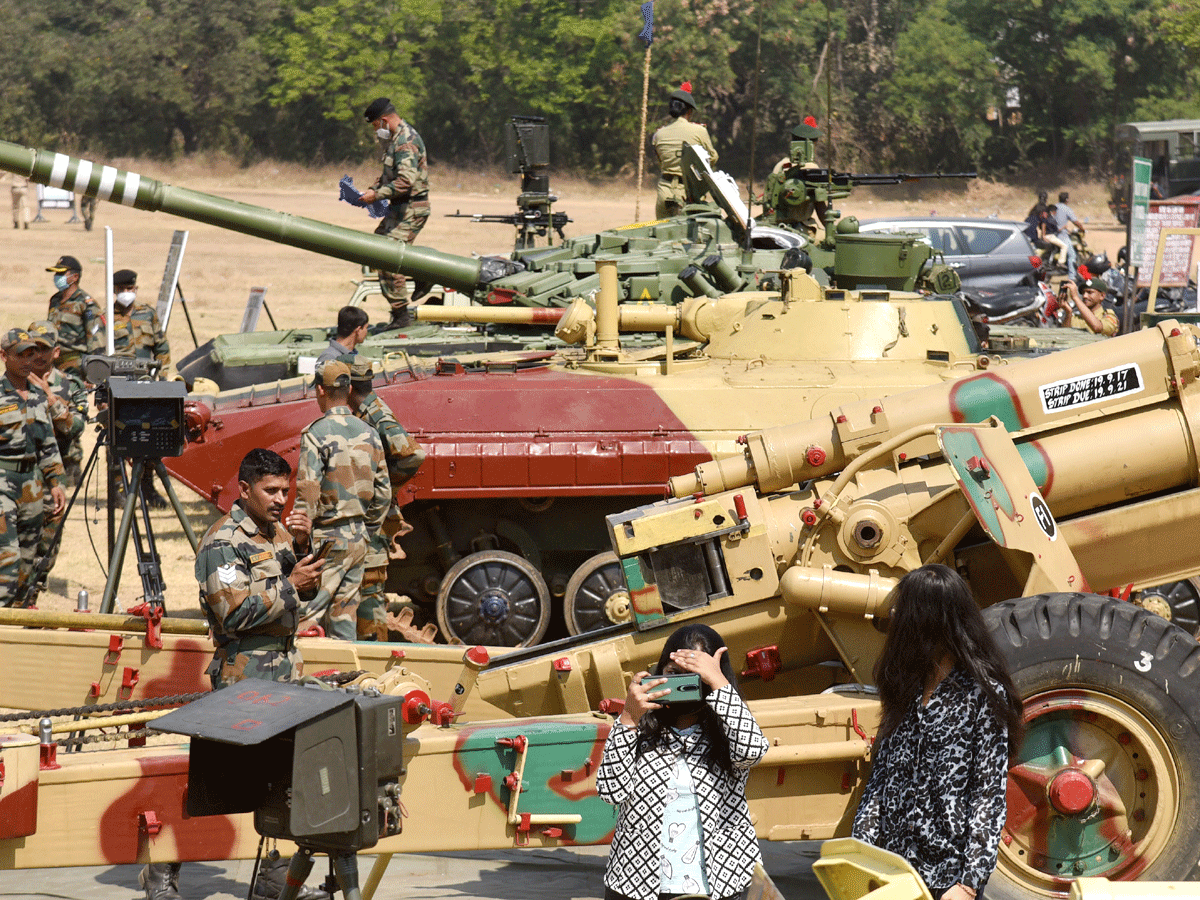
<point x="951" y="724"/>
<point x="678" y="773"/>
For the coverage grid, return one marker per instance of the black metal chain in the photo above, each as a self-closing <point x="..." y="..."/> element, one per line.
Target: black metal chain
<point x="147" y="703"/>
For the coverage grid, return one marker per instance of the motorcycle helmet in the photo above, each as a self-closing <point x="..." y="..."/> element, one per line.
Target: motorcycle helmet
<point x="1098" y="263"/>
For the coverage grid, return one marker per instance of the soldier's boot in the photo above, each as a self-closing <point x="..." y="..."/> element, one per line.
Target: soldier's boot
<point x="400" y="315"/>
<point x="160" y="881"/>
<point x="154" y="499"/>
<point x="272" y="876"/>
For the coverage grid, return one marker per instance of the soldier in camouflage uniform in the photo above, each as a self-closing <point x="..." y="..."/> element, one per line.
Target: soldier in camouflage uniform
<point x="137" y="334"/>
<point x="250" y="580"/>
<point x="342" y="483"/>
<point x="29" y="464"/>
<point x="67" y="403"/>
<point x="403" y="458"/>
<point x="250" y="587"/>
<point x="136" y="331"/>
<point x="404" y="183"/>
<point x="77" y="318"/>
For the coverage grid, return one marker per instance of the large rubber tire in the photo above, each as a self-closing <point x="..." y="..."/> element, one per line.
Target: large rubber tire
<point x="596" y="595"/>
<point x="1112" y="706"/>
<point x="494" y="598"/>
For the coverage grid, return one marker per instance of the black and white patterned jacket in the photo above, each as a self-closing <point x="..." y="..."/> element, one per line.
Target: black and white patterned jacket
<point x="638" y="787"/>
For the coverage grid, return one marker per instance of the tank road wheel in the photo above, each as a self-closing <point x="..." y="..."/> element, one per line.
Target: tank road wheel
<point x="1107" y="782"/>
<point x="597" y="596"/>
<point x="1178" y="601"/>
<point x="495" y="598"/>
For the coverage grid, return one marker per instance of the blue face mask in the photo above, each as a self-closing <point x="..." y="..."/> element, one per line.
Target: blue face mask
<point x="60" y="281"/>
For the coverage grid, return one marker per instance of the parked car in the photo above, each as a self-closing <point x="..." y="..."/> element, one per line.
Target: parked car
<point x="987" y="253"/>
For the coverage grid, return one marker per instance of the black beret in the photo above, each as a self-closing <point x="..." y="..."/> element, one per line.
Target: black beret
<point x="380" y="106"/>
<point x="124" y="276"/>
<point x="806" y="132"/>
<point x="683" y="96"/>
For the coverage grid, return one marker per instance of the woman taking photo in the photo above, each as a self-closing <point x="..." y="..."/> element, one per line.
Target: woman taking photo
<point x="951" y="723"/>
<point x="678" y="773"/>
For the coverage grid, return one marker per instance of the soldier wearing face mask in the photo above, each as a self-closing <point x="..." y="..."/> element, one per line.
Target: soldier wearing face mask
<point x="76" y="317"/>
<point x="136" y="330"/>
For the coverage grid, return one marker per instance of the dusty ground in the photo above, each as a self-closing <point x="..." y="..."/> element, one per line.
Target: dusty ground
<point x="305" y="288"/>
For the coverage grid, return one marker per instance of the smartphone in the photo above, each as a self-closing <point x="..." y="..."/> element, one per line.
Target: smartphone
<point x="683" y="688"/>
<point x="323" y="550"/>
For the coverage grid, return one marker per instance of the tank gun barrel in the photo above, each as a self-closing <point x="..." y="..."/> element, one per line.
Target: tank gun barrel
<point x="131" y="189"/>
<point x="490" y="315"/>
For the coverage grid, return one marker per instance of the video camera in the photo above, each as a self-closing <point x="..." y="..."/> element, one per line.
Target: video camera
<point x="144" y="417"/>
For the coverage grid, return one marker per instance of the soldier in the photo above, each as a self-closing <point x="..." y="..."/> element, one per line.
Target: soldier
<point x="342" y="484"/>
<point x="76" y="317"/>
<point x="136" y="331"/>
<point x="403" y="458"/>
<point x="668" y="143"/>
<point x="788" y="200"/>
<point x="29" y="464"/>
<point x="67" y="399"/>
<point x="1090" y="312"/>
<point x="250" y="586"/>
<point x="20" y="200"/>
<point x="351" y="331"/>
<point x="404" y="183"/>
<point x="67" y="403"/>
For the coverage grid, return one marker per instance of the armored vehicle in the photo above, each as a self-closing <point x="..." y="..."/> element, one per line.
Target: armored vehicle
<point x="1033" y="479"/>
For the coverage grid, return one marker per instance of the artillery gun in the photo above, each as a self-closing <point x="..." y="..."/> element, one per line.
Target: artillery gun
<point x="1039" y="481"/>
<point x="712" y="249"/>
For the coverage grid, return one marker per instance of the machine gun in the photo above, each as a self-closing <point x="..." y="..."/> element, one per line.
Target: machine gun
<point x="795" y="192"/>
<point x="527" y="149"/>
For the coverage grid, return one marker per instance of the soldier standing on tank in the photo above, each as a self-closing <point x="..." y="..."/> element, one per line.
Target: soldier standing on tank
<point x="29" y="466"/>
<point x="403" y="457"/>
<point x="668" y="143"/>
<point x="342" y="484"/>
<point x="404" y="183"/>
<point x="76" y="317"/>
<point x="788" y="199"/>
<point x="351" y="331"/>
<point x="252" y="573"/>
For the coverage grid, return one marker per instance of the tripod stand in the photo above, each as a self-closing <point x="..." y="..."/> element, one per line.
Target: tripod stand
<point x="345" y="872"/>
<point x="149" y="564"/>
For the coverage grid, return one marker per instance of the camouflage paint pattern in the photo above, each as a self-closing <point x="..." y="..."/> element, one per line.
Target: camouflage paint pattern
<point x="342" y="483"/>
<point x="137" y="333"/>
<point x="250" y="605"/>
<point x="79" y="322"/>
<point x="68" y="406"/>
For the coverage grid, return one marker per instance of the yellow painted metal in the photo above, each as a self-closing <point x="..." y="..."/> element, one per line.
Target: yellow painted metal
<point x="1103" y="889"/>
<point x="850" y="869"/>
<point x="37" y="618"/>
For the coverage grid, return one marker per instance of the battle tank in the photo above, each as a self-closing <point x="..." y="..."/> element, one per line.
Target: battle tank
<point x="1039" y="481"/>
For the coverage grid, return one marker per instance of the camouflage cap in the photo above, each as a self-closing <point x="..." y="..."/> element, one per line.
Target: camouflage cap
<point x="332" y="373"/>
<point x="65" y="264"/>
<point x="362" y="371"/>
<point x="16" y="341"/>
<point x="44" y="332"/>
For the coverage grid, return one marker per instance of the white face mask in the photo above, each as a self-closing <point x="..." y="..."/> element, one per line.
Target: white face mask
<point x="384" y="134"/>
<point x="125" y="298"/>
<point x="60" y="282"/>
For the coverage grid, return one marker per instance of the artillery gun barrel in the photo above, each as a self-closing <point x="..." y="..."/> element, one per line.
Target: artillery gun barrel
<point x="131" y="189"/>
<point x="1148" y="367"/>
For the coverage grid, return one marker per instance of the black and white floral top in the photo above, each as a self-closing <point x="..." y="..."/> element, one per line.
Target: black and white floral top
<point x="936" y="791"/>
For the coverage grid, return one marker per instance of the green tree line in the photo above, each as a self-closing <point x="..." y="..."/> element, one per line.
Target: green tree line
<point x="997" y="85"/>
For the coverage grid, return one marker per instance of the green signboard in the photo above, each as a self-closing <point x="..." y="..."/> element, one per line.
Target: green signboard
<point x="1139" y="208"/>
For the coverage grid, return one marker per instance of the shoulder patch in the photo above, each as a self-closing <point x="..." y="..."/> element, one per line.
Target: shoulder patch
<point x="261" y="557"/>
<point x="227" y="574"/>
